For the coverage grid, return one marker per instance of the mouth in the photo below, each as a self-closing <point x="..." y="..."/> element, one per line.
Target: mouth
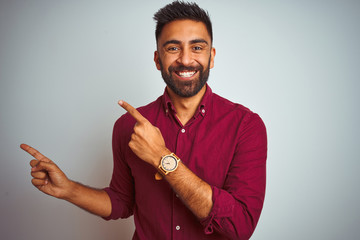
<point x="185" y="74"/>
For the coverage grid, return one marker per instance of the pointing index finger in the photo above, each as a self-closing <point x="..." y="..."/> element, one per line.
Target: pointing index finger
<point x="133" y="112"/>
<point x="33" y="152"/>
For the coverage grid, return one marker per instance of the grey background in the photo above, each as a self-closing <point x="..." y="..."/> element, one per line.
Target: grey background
<point x="64" y="65"/>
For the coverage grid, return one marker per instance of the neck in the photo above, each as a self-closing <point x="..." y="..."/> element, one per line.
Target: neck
<point x="186" y="107"/>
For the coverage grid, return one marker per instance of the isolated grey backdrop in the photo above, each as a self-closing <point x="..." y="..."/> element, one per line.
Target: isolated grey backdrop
<point x="64" y="65"/>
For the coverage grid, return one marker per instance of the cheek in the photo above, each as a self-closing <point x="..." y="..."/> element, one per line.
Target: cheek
<point x="169" y="60"/>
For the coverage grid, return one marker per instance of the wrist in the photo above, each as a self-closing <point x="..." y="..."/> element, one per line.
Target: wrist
<point x="71" y="191"/>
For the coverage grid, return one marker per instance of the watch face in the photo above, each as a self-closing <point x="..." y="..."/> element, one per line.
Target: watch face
<point x="169" y="163"/>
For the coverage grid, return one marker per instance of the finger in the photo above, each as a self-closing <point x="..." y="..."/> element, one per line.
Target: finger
<point x="44" y="166"/>
<point x="133" y="112"/>
<point x="39" y="182"/>
<point x="39" y="175"/>
<point x="35" y="153"/>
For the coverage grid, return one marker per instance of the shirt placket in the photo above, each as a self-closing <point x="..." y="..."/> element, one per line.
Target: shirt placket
<point x="182" y="145"/>
<point x="178" y="226"/>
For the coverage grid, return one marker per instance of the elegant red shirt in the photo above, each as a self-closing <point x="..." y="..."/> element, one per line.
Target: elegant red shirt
<point x="224" y="144"/>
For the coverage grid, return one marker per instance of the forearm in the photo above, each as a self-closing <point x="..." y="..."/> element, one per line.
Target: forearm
<point x="193" y="191"/>
<point x="95" y="201"/>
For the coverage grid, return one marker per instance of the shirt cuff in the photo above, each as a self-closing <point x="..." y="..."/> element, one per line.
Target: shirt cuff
<point x="112" y="197"/>
<point x="119" y="209"/>
<point x="223" y="206"/>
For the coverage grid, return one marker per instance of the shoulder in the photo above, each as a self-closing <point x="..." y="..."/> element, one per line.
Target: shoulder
<point x="224" y="106"/>
<point x="241" y="114"/>
<point x="227" y="105"/>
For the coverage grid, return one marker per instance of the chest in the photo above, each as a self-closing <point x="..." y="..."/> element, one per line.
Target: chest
<point x="206" y="145"/>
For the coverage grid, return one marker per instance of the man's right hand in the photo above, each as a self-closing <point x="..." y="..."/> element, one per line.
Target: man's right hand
<point x="47" y="176"/>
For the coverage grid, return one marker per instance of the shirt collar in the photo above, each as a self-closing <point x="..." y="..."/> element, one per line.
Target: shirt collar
<point x="203" y="107"/>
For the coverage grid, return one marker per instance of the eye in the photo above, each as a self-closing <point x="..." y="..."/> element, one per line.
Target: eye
<point x="197" y="48"/>
<point x="172" y="49"/>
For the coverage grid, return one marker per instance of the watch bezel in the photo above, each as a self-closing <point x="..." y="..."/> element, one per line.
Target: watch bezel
<point x="163" y="168"/>
<point x="173" y="159"/>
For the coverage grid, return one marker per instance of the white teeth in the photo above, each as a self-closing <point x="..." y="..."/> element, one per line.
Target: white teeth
<point x="186" y="74"/>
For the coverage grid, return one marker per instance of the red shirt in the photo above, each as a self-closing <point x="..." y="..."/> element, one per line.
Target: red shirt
<point x="224" y="144"/>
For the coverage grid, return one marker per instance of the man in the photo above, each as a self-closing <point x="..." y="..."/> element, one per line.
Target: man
<point x="190" y="165"/>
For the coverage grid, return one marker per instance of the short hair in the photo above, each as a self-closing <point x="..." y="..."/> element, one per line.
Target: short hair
<point x="179" y="10"/>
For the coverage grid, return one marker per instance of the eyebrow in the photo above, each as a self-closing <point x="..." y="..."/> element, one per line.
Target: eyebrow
<point x="200" y="40"/>
<point x="171" y="42"/>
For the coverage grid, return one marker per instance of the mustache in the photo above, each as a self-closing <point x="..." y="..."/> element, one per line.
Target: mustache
<point x="181" y="68"/>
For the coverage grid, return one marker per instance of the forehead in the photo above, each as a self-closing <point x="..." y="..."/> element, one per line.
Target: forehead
<point x="184" y="31"/>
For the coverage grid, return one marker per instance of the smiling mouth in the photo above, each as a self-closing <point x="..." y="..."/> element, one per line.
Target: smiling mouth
<point x="186" y="74"/>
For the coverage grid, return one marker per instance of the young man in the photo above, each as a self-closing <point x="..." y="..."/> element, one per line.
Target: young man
<point x="190" y="165"/>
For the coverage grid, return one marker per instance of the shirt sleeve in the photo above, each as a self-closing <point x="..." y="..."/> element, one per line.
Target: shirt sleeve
<point x="238" y="204"/>
<point x="121" y="189"/>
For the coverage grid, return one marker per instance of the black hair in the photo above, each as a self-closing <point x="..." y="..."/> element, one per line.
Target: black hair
<point x="179" y="10"/>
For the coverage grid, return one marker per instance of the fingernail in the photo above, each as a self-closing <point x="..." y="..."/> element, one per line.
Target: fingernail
<point x="120" y="102"/>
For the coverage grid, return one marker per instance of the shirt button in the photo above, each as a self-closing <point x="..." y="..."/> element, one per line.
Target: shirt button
<point x="178" y="228"/>
<point x="183" y="130"/>
<point x="203" y="111"/>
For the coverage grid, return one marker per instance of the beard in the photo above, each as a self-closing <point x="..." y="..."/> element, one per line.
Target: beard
<point x="189" y="88"/>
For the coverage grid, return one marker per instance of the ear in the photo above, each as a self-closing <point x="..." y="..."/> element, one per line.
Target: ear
<point x="212" y="56"/>
<point x="156" y="60"/>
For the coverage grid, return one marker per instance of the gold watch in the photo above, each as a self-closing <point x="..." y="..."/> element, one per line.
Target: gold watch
<point x="169" y="163"/>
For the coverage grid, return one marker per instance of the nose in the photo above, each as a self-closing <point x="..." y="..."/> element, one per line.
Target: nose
<point x="185" y="57"/>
